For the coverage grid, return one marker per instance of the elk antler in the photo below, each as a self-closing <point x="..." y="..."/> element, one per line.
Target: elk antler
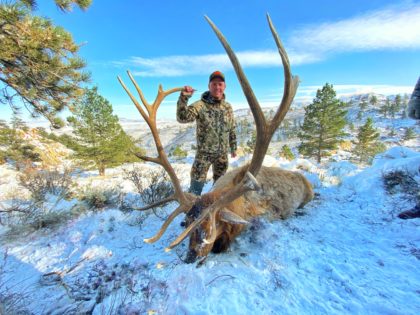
<point x="265" y="130"/>
<point x="185" y="200"/>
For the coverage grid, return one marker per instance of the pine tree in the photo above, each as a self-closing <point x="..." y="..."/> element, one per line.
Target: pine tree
<point x="65" y="5"/>
<point x="14" y="147"/>
<point x="287" y="153"/>
<point x="323" y="124"/>
<point x="395" y="106"/>
<point x="39" y="66"/>
<point x="178" y="152"/>
<point x="373" y="100"/>
<point x="250" y="144"/>
<point x="409" y="134"/>
<point x="363" y="105"/>
<point x="405" y="106"/>
<point x="367" y="144"/>
<point x="99" y="136"/>
<point x="384" y="109"/>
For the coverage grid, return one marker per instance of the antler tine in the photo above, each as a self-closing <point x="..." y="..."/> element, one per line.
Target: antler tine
<point x="157" y="203"/>
<point x="264" y="131"/>
<point x="291" y="82"/>
<point x="260" y="121"/>
<point x="246" y="87"/>
<point x="172" y="216"/>
<point x="140" y="92"/>
<point x="161" y="95"/>
<point x="162" y="159"/>
<point x="134" y="100"/>
<point x="249" y="184"/>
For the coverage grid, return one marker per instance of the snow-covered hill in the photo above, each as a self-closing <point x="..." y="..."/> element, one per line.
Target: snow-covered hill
<point x="346" y="252"/>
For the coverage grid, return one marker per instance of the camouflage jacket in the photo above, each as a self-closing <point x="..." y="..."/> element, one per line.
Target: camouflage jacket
<point x="215" y="123"/>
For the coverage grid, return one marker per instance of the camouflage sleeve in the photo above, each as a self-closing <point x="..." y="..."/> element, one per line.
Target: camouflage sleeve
<point x="232" y="134"/>
<point x="184" y="113"/>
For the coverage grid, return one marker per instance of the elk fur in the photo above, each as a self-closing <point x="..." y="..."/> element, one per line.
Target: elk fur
<point x="282" y="192"/>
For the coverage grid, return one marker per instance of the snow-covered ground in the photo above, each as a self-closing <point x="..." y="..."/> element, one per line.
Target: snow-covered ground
<point x="345" y="253"/>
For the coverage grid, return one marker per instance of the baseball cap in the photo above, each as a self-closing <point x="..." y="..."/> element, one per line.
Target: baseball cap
<point x="217" y="74"/>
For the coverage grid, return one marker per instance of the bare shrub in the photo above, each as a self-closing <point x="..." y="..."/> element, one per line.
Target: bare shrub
<point x="400" y="181"/>
<point x="153" y="185"/>
<point x="109" y="287"/>
<point x="43" y="182"/>
<point x="49" y="219"/>
<point x="23" y="216"/>
<point x="99" y="197"/>
<point x="14" y="211"/>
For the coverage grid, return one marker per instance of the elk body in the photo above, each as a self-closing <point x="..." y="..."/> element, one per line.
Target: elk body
<point x="280" y="193"/>
<point x="216" y="218"/>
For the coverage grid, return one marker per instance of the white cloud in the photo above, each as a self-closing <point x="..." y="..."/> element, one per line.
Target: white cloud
<point x="391" y="28"/>
<point x="397" y="27"/>
<point x="172" y="66"/>
<point x="182" y="65"/>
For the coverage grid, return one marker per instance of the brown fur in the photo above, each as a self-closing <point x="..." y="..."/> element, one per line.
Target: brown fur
<point x="282" y="193"/>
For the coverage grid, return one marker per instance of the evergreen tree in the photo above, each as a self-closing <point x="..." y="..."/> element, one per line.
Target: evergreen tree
<point x="373" y="100"/>
<point x="285" y="129"/>
<point x="39" y="65"/>
<point x="395" y="106"/>
<point x="363" y="105"/>
<point x="178" y="152"/>
<point x="385" y="108"/>
<point x="14" y="147"/>
<point x="65" y="5"/>
<point x="347" y="104"/>
<point x="367" y="144"/>
<point x="323" y="124"/>
<point x="99" y="136"/>
<point x="287" y="153"/>
<point x="405" y="106"/>
<point x="3" y="139"/>
<point x="250" y="144"/>
<point x="409" y="134"/>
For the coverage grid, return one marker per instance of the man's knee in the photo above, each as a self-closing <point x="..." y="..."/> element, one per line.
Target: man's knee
<point x="220" y="167"/>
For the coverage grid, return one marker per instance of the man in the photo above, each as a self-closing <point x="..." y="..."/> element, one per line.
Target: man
<point x="216" y="134"/>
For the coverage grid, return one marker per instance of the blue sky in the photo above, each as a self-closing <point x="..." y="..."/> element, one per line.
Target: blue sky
<point x="358" y="46"/>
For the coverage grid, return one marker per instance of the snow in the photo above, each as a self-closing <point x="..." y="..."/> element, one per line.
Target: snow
<point x="346" y="252"/>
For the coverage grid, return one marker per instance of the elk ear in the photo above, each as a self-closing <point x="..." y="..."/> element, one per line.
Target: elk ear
<point x="231" y="217"/>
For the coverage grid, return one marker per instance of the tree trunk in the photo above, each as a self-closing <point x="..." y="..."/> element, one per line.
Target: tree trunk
<point x="101" y="170"/>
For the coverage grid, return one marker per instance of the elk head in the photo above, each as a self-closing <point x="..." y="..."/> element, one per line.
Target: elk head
<point x="213" y="219"/>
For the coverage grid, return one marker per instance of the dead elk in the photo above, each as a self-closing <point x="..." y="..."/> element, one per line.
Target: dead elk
<point x="216" y="218"/>
<point x="279" y="194"/>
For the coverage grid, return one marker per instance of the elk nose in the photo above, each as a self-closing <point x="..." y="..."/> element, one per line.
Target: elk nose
<point x="191" y="256"/>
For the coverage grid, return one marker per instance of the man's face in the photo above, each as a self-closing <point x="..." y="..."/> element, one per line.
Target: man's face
<point x="217" y="88"/>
